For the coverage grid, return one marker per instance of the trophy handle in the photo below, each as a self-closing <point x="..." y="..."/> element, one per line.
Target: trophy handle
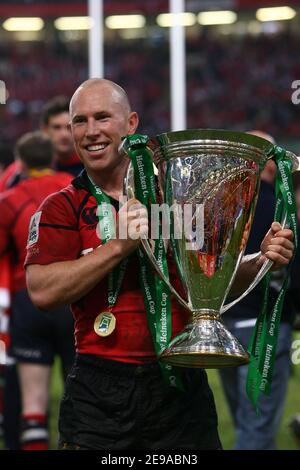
<point x="268" y="263"/>
<point x="147" y="249"/>
<point x="263" y="270"/>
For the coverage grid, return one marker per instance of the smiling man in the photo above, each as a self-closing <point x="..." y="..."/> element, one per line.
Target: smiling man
<point x="116" y="397"/>
<point x="100" y="115"/>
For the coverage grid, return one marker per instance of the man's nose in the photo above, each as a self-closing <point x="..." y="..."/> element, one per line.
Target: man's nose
<point x="65" y="131"/>
<point x="92" y="128"/>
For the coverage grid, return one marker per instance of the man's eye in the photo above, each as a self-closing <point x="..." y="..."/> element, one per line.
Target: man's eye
<point x="101" y="118"/>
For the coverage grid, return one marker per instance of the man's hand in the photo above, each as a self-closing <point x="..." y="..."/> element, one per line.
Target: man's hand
<point x="277" y="246"/>
<point x="132" y="225"/>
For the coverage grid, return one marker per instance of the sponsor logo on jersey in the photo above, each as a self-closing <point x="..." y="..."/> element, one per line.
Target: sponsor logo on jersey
<point x="34" y="228"/>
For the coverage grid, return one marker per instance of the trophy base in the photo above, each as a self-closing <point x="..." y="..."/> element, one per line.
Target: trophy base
<point x="207" y="344"/>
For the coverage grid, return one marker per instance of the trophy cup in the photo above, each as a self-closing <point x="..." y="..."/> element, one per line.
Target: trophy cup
<point x="216" y="173"/>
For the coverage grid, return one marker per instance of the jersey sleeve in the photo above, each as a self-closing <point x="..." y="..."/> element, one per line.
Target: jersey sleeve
<point x="53" y="232"/>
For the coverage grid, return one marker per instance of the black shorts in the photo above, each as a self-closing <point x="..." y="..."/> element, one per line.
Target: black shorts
<point x="115" y="406"/>
<point x="36" y="336"/>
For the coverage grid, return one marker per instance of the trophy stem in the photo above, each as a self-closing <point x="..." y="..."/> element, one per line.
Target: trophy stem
<point x="205" y="343"/>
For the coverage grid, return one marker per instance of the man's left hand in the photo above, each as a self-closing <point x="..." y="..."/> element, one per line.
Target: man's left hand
<point x="277" y="246"/>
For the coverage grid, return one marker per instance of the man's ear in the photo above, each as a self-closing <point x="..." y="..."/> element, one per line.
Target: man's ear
<point x="133" y="122"/>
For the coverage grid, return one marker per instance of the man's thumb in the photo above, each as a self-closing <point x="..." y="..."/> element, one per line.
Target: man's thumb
<point x="275" y="227"/>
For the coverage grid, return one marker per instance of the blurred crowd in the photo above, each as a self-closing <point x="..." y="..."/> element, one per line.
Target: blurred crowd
<point x="235" y="84"/>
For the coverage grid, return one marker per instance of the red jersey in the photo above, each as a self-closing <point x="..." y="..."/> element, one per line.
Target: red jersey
<point x="8" y="174"/>
<point x="17" y="205"/>
<point x="65" y="229"/>
<point x="71" y="165"/>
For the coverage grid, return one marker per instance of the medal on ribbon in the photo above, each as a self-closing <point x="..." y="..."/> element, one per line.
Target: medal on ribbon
<point x="105" y="322"/>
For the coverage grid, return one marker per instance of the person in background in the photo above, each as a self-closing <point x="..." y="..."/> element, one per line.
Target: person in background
<point x="35" y="338"/>
<point x="253" y="431"/>
<point x="10" y="402"/>
<point x="55" y="123"/>
<point x="6" y="158"/>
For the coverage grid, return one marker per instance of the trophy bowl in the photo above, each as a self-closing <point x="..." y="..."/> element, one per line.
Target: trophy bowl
<point x="216" y="175"/>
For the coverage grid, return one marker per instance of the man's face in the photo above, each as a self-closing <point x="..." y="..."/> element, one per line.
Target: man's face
<point x="58" y="129"/>
<point x="100" y="117"/>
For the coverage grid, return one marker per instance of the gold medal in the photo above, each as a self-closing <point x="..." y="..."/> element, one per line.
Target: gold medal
<point x="104" y="324"/>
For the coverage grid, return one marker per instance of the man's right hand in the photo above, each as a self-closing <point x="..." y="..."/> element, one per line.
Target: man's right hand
<point x="132" y="225"/>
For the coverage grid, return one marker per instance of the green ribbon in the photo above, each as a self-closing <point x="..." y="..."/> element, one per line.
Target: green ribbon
<point x="107" y="232"/>
<point x="156" y="293"/>
<point x="262" y="348"/>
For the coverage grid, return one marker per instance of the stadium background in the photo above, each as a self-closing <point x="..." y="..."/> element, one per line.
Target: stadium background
<point x="239" y="76"/>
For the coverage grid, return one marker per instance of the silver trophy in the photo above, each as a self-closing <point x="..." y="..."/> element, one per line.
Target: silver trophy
<point x="217" y="174"/>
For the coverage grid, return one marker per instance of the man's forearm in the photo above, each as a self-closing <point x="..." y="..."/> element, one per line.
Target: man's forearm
<point x="67" y="281"/>
<point x="247" y="271"/>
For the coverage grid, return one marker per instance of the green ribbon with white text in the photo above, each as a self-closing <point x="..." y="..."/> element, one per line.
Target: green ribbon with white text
<point x="156" y="293"/>
<point x="107" y="232"/>
<point x="262" y="348"/>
